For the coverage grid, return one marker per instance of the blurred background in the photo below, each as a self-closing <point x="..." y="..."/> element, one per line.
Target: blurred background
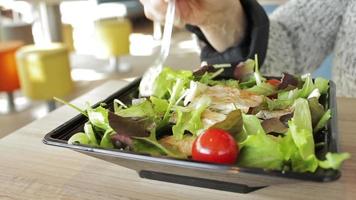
<point x="65" y="48"/>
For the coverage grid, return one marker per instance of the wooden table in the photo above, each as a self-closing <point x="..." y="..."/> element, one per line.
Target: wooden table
<point x="31" y="170"/>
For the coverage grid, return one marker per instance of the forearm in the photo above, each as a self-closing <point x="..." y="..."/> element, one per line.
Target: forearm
<point x="223" y="32"/>
<point x="248" y="39"/>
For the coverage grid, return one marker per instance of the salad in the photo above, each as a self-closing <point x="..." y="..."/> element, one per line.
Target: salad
<point x="248" y="120"/>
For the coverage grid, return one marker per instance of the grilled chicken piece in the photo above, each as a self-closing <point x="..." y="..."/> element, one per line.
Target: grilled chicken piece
<point x="226" y="99"/>
<point x="183" y="146"/>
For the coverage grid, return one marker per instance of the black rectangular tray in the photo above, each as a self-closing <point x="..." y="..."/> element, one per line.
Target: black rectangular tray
<point x="220" y="177"/>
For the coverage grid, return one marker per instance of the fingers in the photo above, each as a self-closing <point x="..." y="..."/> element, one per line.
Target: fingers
<point x="155" y="9"/>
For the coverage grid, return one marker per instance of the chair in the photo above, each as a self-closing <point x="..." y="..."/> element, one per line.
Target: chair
<point x="9" y="81"/>
<point x="113" y="35"/>
<point x="44" y="72"/>
<point x="67" y="35"/>
<point x="17" y="31"/>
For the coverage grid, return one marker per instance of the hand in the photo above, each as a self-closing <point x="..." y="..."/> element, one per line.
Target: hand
<point x="222" y="22"/>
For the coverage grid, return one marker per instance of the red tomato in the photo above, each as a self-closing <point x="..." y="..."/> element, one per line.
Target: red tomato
<point x="274" y="82"/>
<point x="215" y="146"/>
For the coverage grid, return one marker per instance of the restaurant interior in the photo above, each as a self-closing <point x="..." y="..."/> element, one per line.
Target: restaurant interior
<point x="75" y="124"/>
<point x="65" y="48"/>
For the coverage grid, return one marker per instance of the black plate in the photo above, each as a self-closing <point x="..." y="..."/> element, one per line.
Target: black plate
<point x="221" y="177"/>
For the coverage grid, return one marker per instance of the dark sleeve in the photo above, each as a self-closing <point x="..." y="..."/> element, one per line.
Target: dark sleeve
<point x="255" y="41"/>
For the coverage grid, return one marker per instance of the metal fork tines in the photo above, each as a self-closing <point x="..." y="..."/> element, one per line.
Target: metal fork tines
<point x="148" y="78"/>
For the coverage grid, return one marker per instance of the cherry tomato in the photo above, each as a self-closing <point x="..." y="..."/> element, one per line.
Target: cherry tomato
<point x="274" y="82"/>
<point x="215" y="146"/>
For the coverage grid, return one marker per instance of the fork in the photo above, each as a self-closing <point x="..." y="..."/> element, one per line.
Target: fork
<point x="148" y="78"/>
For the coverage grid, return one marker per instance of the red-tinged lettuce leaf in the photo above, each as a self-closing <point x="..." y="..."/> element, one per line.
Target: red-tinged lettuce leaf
<point x="121" y="141"/>
<point x="129" y="126"/>
<point x="289" y="82"/>
<point x="262" y="106"/>
<point x="285" y="118"/>
<point x="209" y="79"/>
<point x="204" y="69"/>
<point x="274" y="125"/>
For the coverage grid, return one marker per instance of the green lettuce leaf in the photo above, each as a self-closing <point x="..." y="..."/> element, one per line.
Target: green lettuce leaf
<point x="278" y="104"/>
<point x="89" y="131"/>
<point x="323" y="121"/>
<point x="308" y="87"/>
<point x="141" y="146"/>
<point x="160" y="106"/>
<point x="287" y="146"/>
<point x="257" y="74"/>
<point x="334" y="160"/>
<point x="106" y="141"/>
<point x="167" y="78"/>
<point x="302" y="116"/>
<point x="252" y="125"/>
<point x="308" y="164"/>
<point x="151" y="146"/>
<point x="248" y="84"/>
<point x="261" y="151"/>
<point x="208" y="77"/>
<point x="300" y="127"/>
<point x="294" y="155"/>
<point x="71" y="105"/>
<point x="98" y="117"/>
<point x="316" y="110"/>
<point x="175" y="94"/>
<point x="143" y="109"/>
<point x="265" y="89"/>
<point x="303" y="139"/>
<point x="229" y="83"/>
<point x="289" y="95"/>
<point x="79" y="138"/>
<point x="322" y="84"/>
<point x="191" y="120"/>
